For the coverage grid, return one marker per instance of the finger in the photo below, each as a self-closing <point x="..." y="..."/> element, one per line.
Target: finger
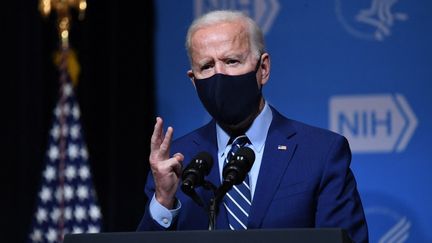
<point x="179" y="157"/>
<point x="177" y="167"/>
<point x="162" y="134"/>
<point x="166" y="143"/>
<point x="155" y="138"/>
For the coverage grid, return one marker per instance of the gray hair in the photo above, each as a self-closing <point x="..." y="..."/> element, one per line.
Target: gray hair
<point x="256" y="37"/>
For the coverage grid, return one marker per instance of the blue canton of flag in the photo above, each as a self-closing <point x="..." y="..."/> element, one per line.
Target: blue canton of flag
<point x="66" y="201"/>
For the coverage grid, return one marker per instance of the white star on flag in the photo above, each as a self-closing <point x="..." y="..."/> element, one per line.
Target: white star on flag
<point x="55" y="132"/>
<point x="66" y="201"/>
<point x="67" y="89"/>
<point x="84" y="153"/>
<point x="74" y="131"/>
<point x="70" y="172"/>
<point x="93" y="229"/>
<point x="84" y="172"/>
<point x="53" y="153"/>
<point x="68" y="213"/>
<point x="55" y="214"/>
<point x="77" y="230"/>
<point x="36" y="236"/>
<point x="69" y="193"/>
<point x="73" y="151"/>
<point x="49" y="173"/>
<point x="41" y="215"/>
<point x="45" y="194"/>
<point x="80" y="213"/>
<point x="75" y="112"/>
<point x="82" y="192"/>
<point x="94" y="212"/>
<point x="51" y="235"/>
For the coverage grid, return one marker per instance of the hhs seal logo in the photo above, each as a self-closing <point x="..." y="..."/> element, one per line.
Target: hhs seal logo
<point x="372" y="20"/>
<point x="262" y="11"/>
<point x="390" y="226"/>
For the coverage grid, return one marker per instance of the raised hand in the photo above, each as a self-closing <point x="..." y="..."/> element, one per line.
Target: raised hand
<point x="166" y="170"/>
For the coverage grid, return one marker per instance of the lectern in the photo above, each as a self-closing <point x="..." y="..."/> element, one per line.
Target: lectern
<point x="307" y="235"/>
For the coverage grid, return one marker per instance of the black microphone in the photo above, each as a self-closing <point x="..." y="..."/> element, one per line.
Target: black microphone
<point x="194" y="173"/>
<point x="236" y="170"/>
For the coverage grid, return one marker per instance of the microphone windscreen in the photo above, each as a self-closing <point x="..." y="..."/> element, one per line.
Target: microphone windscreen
<point x="207" y="161"/>
<point x="248" y="154"/>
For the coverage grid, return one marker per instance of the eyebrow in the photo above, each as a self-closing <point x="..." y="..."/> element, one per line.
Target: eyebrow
<point x="205" y="62"/>
<point x="242" y="55"/>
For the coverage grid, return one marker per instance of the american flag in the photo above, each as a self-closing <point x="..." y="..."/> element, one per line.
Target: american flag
<point x="66" y="200"/>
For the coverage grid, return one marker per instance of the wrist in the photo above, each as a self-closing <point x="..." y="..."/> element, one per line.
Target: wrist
<point x="166" y="201"/>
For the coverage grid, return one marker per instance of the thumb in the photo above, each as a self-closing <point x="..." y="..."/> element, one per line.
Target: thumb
<point x="178" y="166"/>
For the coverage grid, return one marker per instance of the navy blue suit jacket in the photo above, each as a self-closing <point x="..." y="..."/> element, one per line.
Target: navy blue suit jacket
<point x="309" y="184"/>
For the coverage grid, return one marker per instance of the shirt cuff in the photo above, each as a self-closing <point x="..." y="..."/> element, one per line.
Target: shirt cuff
<point x="161" y="214"/>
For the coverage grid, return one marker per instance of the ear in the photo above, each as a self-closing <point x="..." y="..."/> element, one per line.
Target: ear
<point x="191" y="76"/>
<point x="265" y="68"/>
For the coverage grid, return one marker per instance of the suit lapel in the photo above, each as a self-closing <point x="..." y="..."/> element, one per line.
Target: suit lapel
<point x="278" y="152"/>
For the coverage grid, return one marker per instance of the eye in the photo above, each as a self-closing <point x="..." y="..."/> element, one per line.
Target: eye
<point x="206" y="66"/>
<point x="231" y="61"/>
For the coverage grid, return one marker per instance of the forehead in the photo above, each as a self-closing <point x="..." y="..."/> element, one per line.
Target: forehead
<point x="220" y="37"/>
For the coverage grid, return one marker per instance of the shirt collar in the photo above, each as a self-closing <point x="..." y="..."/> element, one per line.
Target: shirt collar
<point x="257" y="133"/>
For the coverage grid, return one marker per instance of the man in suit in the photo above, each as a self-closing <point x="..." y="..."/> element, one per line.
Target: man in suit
<point x="301" y="175"/>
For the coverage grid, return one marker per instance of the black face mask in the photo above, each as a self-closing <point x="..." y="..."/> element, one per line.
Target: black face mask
<point x="230" y="99"/>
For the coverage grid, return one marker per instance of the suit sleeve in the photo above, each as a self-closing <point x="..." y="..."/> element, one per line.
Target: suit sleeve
<point x="339" y="203"/>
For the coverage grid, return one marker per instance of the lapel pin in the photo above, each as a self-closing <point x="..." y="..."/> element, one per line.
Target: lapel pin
<point x="282" y="147"/>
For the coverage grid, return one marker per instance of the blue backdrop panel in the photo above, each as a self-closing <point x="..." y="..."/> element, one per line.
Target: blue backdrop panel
<point x="360" y="68"/>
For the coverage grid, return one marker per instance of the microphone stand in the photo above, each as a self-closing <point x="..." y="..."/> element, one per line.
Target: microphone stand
<point x="212" y="214"/>
<point x="214" y="203"/>
<point x="213" y="208"/>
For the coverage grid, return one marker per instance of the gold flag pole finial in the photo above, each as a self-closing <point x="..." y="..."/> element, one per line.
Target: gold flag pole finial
<point x="65" y="57"/>
<point x="62" y="7"/>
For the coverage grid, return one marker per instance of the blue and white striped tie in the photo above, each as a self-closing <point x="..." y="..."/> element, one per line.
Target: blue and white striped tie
<point x="237" y="201"/>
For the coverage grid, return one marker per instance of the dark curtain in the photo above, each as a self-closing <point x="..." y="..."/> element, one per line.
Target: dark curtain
<point x="114" y="44"/>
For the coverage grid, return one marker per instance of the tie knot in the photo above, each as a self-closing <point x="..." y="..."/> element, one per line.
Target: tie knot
<point x="236" y="144"/>
<point x="239" y="141"/>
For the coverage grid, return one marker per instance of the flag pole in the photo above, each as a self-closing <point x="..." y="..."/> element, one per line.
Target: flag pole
<point x="64" y="19"/>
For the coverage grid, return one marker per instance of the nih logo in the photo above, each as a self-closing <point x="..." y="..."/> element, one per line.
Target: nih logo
<point x="373" y="123"/>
